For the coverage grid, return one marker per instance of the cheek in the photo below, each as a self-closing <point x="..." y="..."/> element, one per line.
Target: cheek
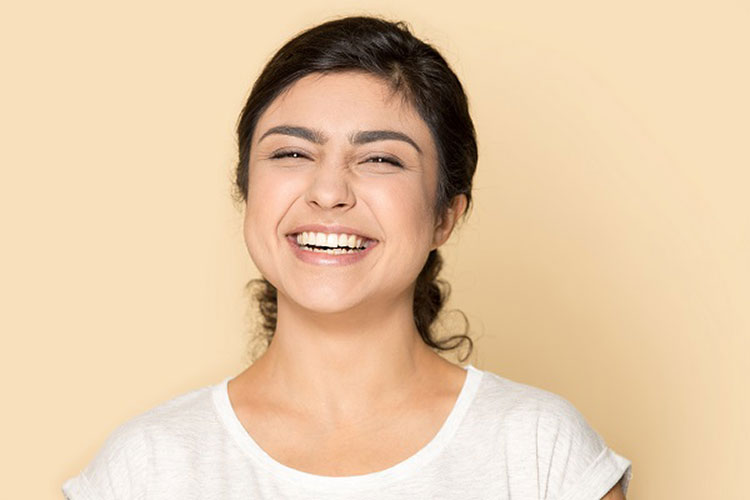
<point x="254" y="223"/>
<point x="269" y="195"/>
<point x="268" y="199"/>
<point x="405" y="211"/>
<point x="253" y="242"/>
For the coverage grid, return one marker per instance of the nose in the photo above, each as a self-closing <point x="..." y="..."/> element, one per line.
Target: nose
<point x="329" y="187"/>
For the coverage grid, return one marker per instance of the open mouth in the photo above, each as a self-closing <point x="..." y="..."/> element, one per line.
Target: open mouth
<point x="332" y="243"/>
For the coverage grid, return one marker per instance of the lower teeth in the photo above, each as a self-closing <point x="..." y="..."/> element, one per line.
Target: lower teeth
<point x="332" y="251"/>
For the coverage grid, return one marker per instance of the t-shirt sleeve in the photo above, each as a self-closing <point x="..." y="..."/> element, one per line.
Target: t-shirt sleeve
<point x="581" y="466"/>
<point x="118" y="471"/>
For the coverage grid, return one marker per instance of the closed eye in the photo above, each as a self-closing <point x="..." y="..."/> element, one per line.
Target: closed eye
<point x="373" y="159"/>
<point x="385" y="159"/>
<point x="287" y="154"/>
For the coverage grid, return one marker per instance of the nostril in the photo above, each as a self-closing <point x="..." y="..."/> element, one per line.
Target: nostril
<point x="328" y="194"/>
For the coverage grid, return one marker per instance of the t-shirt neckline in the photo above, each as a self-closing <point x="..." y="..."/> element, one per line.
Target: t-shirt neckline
<point x="373" y="479"/>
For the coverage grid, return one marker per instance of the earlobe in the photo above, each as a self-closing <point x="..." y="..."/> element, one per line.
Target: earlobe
<point x="447" y="221"/>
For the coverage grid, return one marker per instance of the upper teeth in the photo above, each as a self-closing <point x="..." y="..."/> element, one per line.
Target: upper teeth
<point x="329" y="240"/>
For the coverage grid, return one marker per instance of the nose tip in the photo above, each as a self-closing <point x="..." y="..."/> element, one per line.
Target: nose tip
<point x="330" y="189"/>
<point x="327" y="205"/>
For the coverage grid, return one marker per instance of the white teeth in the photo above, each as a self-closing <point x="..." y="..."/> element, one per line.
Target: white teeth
<point x="347" y="243"/>
<point x="334" y="251"/>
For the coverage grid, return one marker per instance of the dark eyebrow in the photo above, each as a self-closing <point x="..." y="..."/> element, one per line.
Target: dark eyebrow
<point x="361" y="137"/>
<point x="366" y="136"/>
<point x="302" y="132"/>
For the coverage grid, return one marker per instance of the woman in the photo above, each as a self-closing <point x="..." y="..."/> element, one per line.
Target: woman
<point x="356" y="158"/>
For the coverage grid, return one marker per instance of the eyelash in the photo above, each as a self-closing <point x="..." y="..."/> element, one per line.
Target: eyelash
<point x="384" y="159"/>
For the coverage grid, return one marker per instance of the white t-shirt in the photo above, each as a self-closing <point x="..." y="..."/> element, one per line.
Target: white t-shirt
<point x="502" y="440"/>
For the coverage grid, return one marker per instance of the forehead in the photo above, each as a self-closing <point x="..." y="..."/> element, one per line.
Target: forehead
<point x="341" y="102"/>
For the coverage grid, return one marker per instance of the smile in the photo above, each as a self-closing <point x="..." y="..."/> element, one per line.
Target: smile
<point x="330" y="248"/>
<point x="332" y="243"/>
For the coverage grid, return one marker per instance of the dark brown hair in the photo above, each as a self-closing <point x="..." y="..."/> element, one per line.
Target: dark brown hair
<point x="421" y="75"/>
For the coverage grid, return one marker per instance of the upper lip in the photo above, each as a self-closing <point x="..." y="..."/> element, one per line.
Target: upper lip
<point x="332" y="228"/>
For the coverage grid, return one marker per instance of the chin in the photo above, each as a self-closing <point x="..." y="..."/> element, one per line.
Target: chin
<point x="324" y="299"/>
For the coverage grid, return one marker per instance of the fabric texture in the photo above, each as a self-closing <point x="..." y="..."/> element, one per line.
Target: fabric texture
<point x="502" y="440"/>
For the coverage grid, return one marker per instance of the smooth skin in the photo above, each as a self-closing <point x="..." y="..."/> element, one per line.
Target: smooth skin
<point x="615" y="493"/>
<point x="347" y="375"/>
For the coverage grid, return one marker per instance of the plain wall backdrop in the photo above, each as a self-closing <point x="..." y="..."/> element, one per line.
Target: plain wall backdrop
<point x="607" y="258"/>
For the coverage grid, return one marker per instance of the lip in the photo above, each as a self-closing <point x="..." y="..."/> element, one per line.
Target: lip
<point x="324" y="259"/>
<point x="334" y="228"/>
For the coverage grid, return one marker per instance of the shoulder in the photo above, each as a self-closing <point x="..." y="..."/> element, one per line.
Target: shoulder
<point x="122" y="465"/>
<point x="543" y="428"/>
<point x="522" y="404"/>
<point x="170" y="423"/>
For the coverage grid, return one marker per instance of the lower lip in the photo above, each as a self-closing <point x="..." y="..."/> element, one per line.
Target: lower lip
<point x="326" y="259"/>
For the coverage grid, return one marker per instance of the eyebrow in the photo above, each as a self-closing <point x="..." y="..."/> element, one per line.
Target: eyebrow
<point x="360" y="137"/>
<point x="302" y="132"/>
<point x="365" y="136"/>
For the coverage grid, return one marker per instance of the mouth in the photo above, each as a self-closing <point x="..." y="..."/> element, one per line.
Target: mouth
<point x="331" y="243"/>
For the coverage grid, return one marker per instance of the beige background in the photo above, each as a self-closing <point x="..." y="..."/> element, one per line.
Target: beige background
<point x="607" y="258"/>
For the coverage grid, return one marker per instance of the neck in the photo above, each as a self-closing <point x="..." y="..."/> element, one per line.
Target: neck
<point x="346" y="364"/>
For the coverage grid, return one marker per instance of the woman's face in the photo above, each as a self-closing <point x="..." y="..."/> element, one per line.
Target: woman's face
<point x="338" y="160"/>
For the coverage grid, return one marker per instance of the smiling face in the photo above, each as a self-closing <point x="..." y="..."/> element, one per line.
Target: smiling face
<point x="341" y="154"/>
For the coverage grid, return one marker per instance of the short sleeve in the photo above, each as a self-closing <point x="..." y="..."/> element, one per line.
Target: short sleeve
<point x="118" y="471"/>
<point x="581" y="466"/>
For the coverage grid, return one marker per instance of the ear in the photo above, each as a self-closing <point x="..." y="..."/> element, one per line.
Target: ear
<point x="447" y="221"/>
